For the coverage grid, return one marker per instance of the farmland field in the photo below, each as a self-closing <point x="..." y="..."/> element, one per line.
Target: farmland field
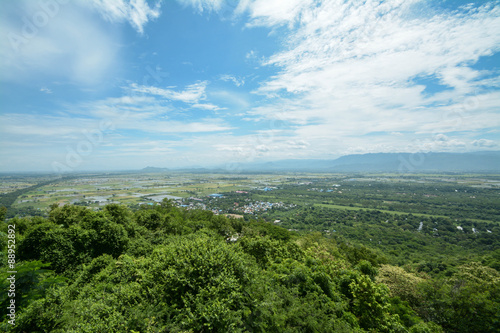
<point x="472" y="197"/>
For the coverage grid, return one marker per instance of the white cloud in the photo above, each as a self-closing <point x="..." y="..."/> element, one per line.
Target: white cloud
<point x="231" y="78"/>
<point x="201" y="5"/>
<point x="251" y="54"/>
<point x="224" y="8"/>
<point x="142" y="113"/>
<point x="36" y="42"/>
<point x="206" y="106"/>
<point x="133" y="108"/>
<point x="46" y="90"/>
<point x="136" y="12"/>
<point x="348" y="70"/>
<point x="484" y="143"/>
<point x="192" y="94"/>
<point x="298" y="144"/>
<point x="443" y="143"/>
<point x="274" y="12"/>
<point x="57" y="127"/>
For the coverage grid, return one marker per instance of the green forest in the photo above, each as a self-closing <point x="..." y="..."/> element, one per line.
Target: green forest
<point x="162" y="268"/>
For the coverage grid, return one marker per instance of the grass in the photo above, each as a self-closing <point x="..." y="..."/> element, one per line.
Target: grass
<point x="393" y="212"/>
<point x="378" y="210"/>
<point x="123" y="189"/>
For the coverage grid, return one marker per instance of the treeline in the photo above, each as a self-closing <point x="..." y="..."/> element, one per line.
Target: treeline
<point x="165" y="269"/>
<point x="7" y="200"/>
<point x="405" y="239"/>
<point x="433" y="198"/>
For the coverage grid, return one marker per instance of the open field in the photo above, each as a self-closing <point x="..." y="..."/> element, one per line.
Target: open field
<point x="98" y="190"/>
<point x="380" y="210"/>
<point x="471" y="197"/>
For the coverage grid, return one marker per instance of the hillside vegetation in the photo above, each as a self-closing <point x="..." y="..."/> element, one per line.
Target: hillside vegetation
<point x="165" y="269"/>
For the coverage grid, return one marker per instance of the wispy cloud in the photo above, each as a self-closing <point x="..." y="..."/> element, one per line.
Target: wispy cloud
<point x="204" y="5"/>
<point x="69" y="46"/>
<point x="332" y="78"/>
<point x="231" y="78"/>
<point x="192" y="94"/>
<point x="274" y="12"/>
<point x="207" y="106"/>
<point x="136" y="12"/>
<point x="485" y="143"/>
<point x="251" y="54"/>
<point x="350" y="68"/>
<point x="143" y="114"/>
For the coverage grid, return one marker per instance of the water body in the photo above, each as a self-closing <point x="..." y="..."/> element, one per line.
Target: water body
<point x="99" y="198"/>
<point x="159" y="198"/>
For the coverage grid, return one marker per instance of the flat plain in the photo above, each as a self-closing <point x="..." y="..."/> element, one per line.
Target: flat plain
<point x="466" y="196"/>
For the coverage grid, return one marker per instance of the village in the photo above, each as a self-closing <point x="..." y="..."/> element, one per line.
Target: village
<point x="221" y="204"/>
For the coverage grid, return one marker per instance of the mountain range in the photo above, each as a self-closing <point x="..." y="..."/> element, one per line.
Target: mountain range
<point x="476" y="162"/>
<point x="484" y="161"/>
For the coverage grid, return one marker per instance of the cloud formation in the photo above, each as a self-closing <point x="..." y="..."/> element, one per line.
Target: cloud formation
<point x="231" y="78"/>
<point x="205" y="5"/>
<point x="287" y="79"/>
<point x="354" y="68"/>
<point x="192" y="94"/>
<point x="49" y="43"/>
<point x="136" y="12"/>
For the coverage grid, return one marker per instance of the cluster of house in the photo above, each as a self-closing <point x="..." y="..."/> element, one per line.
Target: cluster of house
<point x="473" y="230"/>
<point x="325" y="190"/>
<point x="249" y="207"/>
<point x="259" y="206"/>
<point x="193" y="205"/>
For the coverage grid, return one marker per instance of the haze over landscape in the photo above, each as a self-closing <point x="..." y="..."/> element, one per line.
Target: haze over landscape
<point x="119" y="85"/>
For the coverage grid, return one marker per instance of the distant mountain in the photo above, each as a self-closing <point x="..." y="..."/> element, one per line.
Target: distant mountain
<point x="478" y="162"/>
<point x="486" y="161"/>
<point x="420" y="162"/>
<point x="290" y="165"/>
<point x="153" y="170"/>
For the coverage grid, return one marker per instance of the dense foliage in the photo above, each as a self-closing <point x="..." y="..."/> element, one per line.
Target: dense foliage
<point x="166" y="269"/>
<point x="434" y="224"/>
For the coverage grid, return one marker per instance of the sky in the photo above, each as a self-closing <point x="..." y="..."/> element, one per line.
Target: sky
<point x="125" y="84"/>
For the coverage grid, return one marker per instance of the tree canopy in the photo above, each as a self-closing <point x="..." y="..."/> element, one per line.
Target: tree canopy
<point x="165" y="269"/>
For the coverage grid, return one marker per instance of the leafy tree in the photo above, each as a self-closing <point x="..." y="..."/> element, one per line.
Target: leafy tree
<point x="370" y="303"/>
<point x="366" y="268"/>
<point x="466" y="302"/>
<point x="118" y="214"/>
<point x="356" y="253"/>
<point x="151" y="219"/>
<point x="3" y="213"/>
<point x="266" y="250"/>
<point x="106" y="235"/>
<point x="166" y="269"/>
<point x="32" y="281"/>
<point x="49" y="243"/>
<point x="67" y="215"/>
<point x="401" y="283"/>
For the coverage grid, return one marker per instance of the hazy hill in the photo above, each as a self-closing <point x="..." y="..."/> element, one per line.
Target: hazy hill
<point x="150" y="169"/>
<point x="488" y="161"/>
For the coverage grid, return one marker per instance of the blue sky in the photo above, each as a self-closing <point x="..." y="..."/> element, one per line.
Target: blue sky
<point x="125" y="84"/>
